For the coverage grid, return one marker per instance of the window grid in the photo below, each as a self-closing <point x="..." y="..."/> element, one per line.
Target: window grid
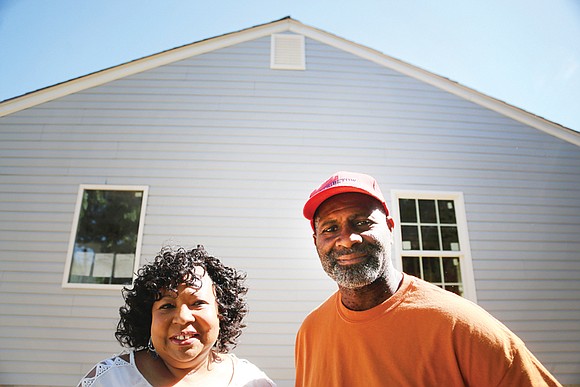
<point x="439" y="234"/>
<point x="418" y="215"/>
<point x="441" y="253"/>
<point x="420" y="224"/>
<point x="453" y="286"/>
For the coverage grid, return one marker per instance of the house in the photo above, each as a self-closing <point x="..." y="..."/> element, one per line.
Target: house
<point x="220" y="143"/>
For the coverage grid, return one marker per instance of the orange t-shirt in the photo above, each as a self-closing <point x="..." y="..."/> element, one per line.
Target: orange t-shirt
<point x="421" y="336"/>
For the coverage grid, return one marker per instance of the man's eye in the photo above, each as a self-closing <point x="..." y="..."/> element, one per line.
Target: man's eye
<point x="329" y="229"/>
<point x="363" y="223"/>
<point x="166" y="306"/>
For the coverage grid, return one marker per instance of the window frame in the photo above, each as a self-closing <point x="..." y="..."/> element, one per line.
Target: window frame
<point x="74" y="227"/>
<point x="464" y="253"/>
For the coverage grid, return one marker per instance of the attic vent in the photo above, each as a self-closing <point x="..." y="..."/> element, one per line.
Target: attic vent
<point x="287" y="52"/>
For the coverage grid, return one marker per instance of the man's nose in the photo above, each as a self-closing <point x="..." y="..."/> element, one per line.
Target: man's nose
<point x="348" y="237"/>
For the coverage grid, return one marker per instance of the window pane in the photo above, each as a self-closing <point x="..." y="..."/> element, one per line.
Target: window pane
<point x="450" y="238"/>
<point x="106" y="237"/>
<point x="430" y="237"/>
<point x="446" y="211"/>
<point x="410" y="237"/>
<point x="451" y="270"/>
<point x="457" y="289"/>
<point x="408" y="210"/>
<point x="427" y="212"/>
<point x="411" y="266"/>
<point x="432" y="269"/>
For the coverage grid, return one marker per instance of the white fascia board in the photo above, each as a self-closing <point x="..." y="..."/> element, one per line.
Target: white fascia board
<point x="180" y="53"/>
<point x="440" y="82"/>
<point x="150" y="62"/>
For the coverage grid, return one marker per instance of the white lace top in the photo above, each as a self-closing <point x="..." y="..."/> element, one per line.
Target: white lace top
<point x="115" y="372"/>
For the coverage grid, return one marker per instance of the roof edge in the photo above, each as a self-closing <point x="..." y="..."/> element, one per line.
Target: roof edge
<point x="149" y="62"/>
<point x="285" y="24"/>
<point x="440" y="82"/>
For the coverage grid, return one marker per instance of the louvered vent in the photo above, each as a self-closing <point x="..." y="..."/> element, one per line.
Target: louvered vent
<point x="287" y="52"/>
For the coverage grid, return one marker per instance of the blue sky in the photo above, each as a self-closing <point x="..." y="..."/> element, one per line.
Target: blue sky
<point x="523" y="52"/>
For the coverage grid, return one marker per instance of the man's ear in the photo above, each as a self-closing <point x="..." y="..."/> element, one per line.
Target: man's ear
<point x="390" y="223"/>
<point x="314" y="238"/>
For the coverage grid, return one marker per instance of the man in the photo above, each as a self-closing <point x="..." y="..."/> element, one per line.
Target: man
<point x="386" y="328"/>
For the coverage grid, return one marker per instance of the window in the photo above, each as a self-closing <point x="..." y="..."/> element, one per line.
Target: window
<point x="106" y="236"/>
<point x="432" y="241"/>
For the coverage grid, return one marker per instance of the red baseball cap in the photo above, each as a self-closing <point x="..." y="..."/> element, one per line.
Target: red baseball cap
<point x="342" y="182"/>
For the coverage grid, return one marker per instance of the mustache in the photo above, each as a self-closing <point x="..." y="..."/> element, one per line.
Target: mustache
<point x="365" y="249"/>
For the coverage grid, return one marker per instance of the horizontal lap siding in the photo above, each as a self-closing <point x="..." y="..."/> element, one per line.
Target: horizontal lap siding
<point x="230" y="149"/>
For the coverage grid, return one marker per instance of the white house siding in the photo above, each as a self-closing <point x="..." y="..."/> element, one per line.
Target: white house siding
<point x="230" y="150"/>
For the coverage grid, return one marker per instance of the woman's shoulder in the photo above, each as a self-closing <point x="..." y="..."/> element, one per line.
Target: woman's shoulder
<point x="247" y="374"/>
<point x="111" y="371"/>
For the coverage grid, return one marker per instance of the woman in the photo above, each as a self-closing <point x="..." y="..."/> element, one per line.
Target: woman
<point x="181" y="318"/>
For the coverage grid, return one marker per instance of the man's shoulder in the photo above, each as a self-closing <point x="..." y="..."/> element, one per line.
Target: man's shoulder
<point x="433" y="300"/>
<point x="430" y="294"/>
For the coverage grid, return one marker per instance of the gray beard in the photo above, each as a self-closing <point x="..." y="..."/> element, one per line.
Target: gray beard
<point x="359" y="274"/>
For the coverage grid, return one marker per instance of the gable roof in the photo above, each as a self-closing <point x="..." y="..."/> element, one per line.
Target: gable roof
<point x="286" y="24"/>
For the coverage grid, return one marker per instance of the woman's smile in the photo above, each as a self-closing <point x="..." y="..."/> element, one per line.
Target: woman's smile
<point x="185" y="338"/>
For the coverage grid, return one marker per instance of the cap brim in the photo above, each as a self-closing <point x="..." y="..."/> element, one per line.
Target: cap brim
<point x="315" y="201"/>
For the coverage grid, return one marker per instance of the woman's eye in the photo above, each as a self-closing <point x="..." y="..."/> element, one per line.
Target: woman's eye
<point x="166" y="306"/>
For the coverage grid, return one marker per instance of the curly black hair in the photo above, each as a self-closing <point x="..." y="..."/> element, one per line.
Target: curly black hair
<point x="173" y="266"/>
